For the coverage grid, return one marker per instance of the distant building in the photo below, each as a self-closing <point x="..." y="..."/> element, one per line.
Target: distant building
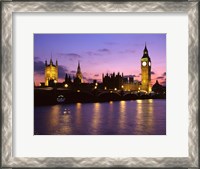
<point x="128" y="79"/>
<point x="129" y="84"/>
<point x="51" y="73"/>
<point x="79" y="77"/>
<point x="112" y="81"/>
<point x="120" y="82"/>
<point x="68" y="79"/>
<point x="159" y="89"/>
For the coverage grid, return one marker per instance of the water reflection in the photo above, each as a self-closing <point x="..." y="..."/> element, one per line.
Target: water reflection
<point x="65" y="122"/>
<point x="150" y="120"/>
<point x="110" y="114"/>
<point x="139" y="101"/>
<point x="145" y="117"/>
<point x="96" y="117"/>
<point x="78" y="115"/>
<point x="53" y="119"/>
<point x="121" y="117"/>
<point x="150" y="100"/>
<point x="139" y="118"/>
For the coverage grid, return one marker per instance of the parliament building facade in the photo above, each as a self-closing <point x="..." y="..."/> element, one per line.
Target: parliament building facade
<point x="109" y="82"/>
<point x="127" y="83"/>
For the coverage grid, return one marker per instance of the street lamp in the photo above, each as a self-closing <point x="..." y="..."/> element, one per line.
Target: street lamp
<point x="55" y="83"/>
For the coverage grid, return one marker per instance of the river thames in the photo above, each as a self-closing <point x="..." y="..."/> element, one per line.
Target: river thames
<point x="138" y="117"/>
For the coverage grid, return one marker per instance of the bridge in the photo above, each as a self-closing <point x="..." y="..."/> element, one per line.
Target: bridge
<point x="59" y="95"/>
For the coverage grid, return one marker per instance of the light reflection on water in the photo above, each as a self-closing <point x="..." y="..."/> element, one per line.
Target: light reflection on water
<point x="140" y="117"/>
<point x="122" y="115"/>
<point x="96" y="118"/>
<point x="145" y="116"/>
<point x="78" y="114"/>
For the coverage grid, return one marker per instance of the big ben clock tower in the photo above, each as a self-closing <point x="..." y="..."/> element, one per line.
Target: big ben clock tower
<point x="146" y="71"/>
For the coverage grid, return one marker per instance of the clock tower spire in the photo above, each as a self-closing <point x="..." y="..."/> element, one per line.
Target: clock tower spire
<point x="146" y="71"/>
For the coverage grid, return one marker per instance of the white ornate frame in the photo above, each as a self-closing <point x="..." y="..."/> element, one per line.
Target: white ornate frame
<point x="8" y="7"/>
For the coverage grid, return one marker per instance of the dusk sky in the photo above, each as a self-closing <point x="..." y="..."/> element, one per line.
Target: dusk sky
<point x="99" y="53"/>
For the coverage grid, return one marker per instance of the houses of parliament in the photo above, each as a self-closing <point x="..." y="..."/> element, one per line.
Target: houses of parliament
<point x="109" y="81"/>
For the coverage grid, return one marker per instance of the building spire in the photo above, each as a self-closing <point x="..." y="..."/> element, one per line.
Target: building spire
<point x="51" y="59"/>
<point x="145" y="49"/>
<point x="145" y="46"/>
<point x="78" y="73"/>
<point x="79" y="68"/>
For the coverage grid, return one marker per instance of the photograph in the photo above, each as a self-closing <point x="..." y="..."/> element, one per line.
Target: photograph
<point x="99" y="84"/>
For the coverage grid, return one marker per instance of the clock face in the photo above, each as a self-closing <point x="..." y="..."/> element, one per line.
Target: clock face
<point x="149" y="63"/>
<point x="144" y="63"/>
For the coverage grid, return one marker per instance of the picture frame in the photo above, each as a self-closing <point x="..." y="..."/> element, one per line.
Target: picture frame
<point x="8" y="8"/>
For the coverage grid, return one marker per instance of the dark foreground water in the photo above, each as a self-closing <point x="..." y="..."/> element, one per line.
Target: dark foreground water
<point x="139" y="117"/>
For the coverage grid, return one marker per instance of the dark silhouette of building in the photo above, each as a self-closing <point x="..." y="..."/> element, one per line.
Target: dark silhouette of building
<point x="120" y="82"/>
<point x="159" y="89"/>
<point x="113" y="81"/>
<point x="79" y="77"/>
<point x="68" y="79"/>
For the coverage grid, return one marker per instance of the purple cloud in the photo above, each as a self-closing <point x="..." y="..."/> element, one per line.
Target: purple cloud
<point x="127" y="51"/>
<point x="90" y="53"/>
<point x="62" y="70"/>
<point x="96" y="75"/>
<point x="39" y="67"/>
<point x="70" y="56"/>
<point x="104" y="50"/>
<point x="73" y="71"/>
<point x="160" y="77"/>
